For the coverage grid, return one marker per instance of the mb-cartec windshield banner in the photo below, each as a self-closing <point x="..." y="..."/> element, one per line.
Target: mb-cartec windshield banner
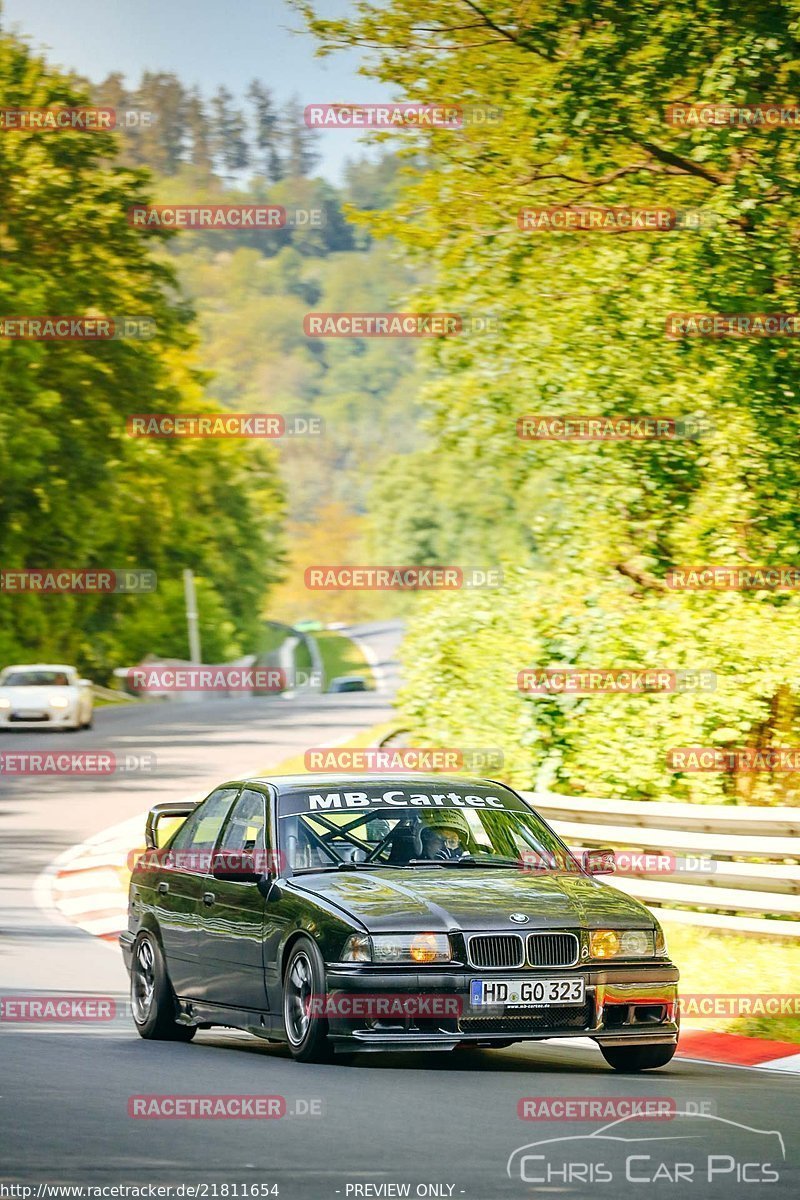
<point x="394" y="797"/>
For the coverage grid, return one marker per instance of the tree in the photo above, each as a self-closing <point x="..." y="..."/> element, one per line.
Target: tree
<point x="77" y="491"/>
<point x="268" y="133"/>
<point x="231" y="152"/>
<point x="199" y="131"/>
<point x="159" y="141"/>
<point x="302" y="154"/>
<point x="567" y="105"/>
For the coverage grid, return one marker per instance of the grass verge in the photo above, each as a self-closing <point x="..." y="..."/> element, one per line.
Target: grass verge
<point x="714" y="963"/>
<point x="342" y="656"/>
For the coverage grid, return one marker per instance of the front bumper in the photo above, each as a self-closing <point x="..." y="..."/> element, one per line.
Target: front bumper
<point x="624" y="1005"/>
<point x="46" y="718"/>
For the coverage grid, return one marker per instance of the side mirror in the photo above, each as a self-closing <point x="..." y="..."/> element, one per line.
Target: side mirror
<point x="240" y="866"/>
<point x="85" y="683"/>
<point x="599" y="862"/>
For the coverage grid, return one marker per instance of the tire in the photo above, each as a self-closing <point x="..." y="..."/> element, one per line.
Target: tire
<point x="632" y="1059"/>
<point x="90" y="723"/>
<point x="303" y="978"/>
<point x="153" y="1004"/>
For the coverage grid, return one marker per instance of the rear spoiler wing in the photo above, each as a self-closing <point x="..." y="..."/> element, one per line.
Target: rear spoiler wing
<point x="167" y="808"/>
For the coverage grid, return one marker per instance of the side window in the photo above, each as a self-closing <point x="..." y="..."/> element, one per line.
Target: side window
<point x="201" y="828"/>
<point x="247" y="826"/>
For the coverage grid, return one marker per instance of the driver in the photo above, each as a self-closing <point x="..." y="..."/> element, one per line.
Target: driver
<point x="444" y="834"/>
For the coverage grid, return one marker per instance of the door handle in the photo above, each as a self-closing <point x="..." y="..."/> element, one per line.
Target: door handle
<point x="163" y="887"/>
<point x="208" y="899"/>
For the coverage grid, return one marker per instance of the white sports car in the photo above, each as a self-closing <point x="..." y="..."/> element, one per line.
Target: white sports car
<point x="43" y="695"/>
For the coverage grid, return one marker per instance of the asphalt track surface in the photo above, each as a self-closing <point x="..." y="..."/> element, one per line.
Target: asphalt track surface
<point x="372" y="1126"/>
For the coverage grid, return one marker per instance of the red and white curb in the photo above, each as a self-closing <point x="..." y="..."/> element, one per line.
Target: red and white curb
<point x="721" y="1049"/>
<point x="87" y="885"/>
<point x="707" y="1045"/>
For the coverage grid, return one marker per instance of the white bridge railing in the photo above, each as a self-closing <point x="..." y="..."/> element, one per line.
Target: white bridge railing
<point x="720" y="866"/>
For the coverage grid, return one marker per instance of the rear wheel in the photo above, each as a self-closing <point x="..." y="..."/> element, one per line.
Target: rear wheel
<point x="304" y="982"/>
<point x="153" y="1001"/>
<point x="632" y="1059"/>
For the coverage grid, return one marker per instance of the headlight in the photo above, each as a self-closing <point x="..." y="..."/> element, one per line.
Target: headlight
<point x="58" y="702"/>
<point x="411" y="948"/>
<point x="622" y="943"/>
<point x="419" y="948"/>
<point x="357" y="949"/>
<point x="4" y="703"/>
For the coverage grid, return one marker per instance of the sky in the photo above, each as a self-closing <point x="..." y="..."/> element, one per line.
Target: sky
<point x="206" y="43"/>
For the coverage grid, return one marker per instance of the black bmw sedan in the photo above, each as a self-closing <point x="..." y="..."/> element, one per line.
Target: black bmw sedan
<point x="389" y="913"/>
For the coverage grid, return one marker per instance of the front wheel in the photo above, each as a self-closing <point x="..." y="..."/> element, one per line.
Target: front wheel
<point x="632" y="1059"/>
<point x="303" y="988"/>
<point x="152" y="998"/>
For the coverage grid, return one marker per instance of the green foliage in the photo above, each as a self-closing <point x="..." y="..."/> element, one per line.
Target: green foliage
<point x="580" y="329"/>
<point x="465" y="651"/>
<point x="250" y="313"/>
<point x="76" y="491"/>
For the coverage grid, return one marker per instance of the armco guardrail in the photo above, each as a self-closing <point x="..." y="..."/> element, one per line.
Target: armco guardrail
<point x="113" y="697"/>
<point x="733" y="868"/>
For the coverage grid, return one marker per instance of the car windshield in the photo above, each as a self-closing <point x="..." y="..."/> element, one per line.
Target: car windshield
<point x="417" y="831"/>
<point x="34" y="679"/>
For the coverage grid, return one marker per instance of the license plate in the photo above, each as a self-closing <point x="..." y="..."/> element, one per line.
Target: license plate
<point x="30" y="716"/>
<point x="526" y="993"/>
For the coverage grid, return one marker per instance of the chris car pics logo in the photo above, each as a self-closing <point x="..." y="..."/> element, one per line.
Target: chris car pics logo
<point x="701" y="1149"/>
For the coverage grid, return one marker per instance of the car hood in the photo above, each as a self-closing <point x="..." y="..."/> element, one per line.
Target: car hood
<point x="35" y="697"/>
<point x="472" y="899"/>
